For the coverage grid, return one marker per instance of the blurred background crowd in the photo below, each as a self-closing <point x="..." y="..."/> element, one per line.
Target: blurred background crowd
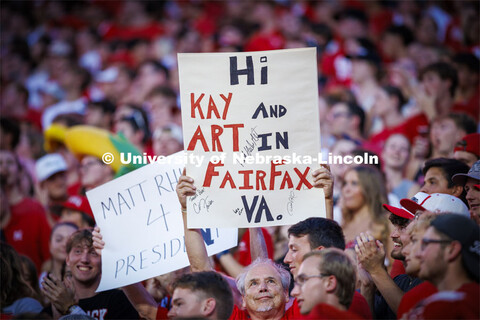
<point x="399" y="79"/>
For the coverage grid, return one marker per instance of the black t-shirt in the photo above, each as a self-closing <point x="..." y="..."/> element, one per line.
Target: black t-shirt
<point x="111" y="304"/>
<point x="382" y="310"/>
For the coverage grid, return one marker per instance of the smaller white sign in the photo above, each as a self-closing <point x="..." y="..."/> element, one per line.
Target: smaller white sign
<point x="141" y="222"/>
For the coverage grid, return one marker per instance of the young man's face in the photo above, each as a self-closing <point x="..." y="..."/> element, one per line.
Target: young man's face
<point x="298" y="247"/>
<point x="310" y="287"/>
<point x="85" y="263"/>
<point x="432" y="263"/>
<point x="473" y="198"/>
<point x="435" y="182"/>
<point x="444" y="134"/>
<point x="93" y="172"/>
<point x="400" y="238"/>
<point x="187" y="304"/>
<point x="434" y="85"/>
<point x="339" y="118"/>
<point x="8" y="168"/>
<point x="412" y="262"/>
<point x="56" y="186"/>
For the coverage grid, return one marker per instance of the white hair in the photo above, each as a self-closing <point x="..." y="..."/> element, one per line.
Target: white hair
<point x="284" y="274"/>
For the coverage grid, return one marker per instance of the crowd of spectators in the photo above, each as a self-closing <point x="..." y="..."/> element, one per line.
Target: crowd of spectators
<point x="397" y="79"/>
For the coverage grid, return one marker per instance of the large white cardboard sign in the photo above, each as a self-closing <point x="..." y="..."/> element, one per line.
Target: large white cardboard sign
<point x="141" y="222"/>
<point x="253" y="118"/>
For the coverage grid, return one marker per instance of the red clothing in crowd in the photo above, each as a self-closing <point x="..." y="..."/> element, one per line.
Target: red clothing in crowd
<point x="359" y="307"/>
<point x="459" y="304"/>
<point x="411" y="128"/>
<point x="397" y="268"/>
<point x="162" y="313"/>
<point x="412" y="297"/>
<point x="326" y="311"/>
<point x="470" y="107"/>
<point x="291" y="313"/>
<point x="28" y="231"/>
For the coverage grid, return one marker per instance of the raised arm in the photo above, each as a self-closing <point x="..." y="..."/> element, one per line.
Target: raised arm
<point x="322" y="178"/>
<point x="196" y="250"/>
<point x="136" y="293"/>
<point x="371" y="255"/>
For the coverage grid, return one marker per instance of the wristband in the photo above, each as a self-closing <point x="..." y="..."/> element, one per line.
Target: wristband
<point x="75" y="309"/>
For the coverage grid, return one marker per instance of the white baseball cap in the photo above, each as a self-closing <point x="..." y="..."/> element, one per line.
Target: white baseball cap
<point x="48" y="165"/>
<point x="436" y="203"/>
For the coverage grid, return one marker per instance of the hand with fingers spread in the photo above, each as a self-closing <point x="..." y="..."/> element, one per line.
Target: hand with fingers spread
<point x="60" y="294"/>
<point x="322" y="178"/>
<point x="185" y="188"/>
<point x="98" y="243"/>
<point x="370" y="253"/>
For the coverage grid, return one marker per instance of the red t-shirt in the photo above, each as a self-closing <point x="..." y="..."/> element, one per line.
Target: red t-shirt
<point x="28" y="231"/>
<point x="326" y="311"/>
<point x="470" y="107"/>
<point x="460" y="304"/>
<point x="291" y="313"/>
<point x="397" y="268"/>
<point x="162" y="313"/>
<point x="412" y="297"/>
<point x="360" y="307"/>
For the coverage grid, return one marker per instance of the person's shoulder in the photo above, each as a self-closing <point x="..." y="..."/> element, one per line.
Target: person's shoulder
<point x="359" y="306"/>
<point x="238" y="314"/>
<point x="24" y="305"/>
<point x="412" y="297"/>
<point x="461" y="304"/>
<point x="293" y="312"/>
<point x="28" y="206"/>
<point x="33" y="203"/>
<point x="326" y="311"/>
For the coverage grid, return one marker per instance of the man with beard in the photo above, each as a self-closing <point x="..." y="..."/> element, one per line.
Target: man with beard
<point x="264" y="289"/>
<point x="86" y="268"/>
<point x="51" y="171"/>
<point x="471" y="184"/>
<point x="371" y="255"/>
<point x="449" y="258"/>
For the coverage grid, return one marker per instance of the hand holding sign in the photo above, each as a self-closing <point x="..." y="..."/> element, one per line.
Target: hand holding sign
<point x="142" y="228"/>
<point x="185" y="188"/>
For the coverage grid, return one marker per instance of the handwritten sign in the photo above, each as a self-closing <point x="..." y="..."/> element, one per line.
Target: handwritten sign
<point x="141" y="222"/>
<point x="253" y="116"/>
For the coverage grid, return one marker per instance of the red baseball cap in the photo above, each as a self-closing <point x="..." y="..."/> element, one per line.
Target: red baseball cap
<point x="399" y="212"/>
<point x="469" y="143"/>
<point x="79" y="203"/>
